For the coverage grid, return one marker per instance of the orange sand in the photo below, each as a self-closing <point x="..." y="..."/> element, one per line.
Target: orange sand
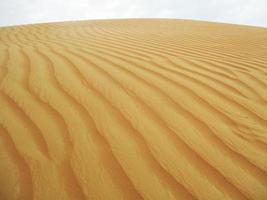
<point x="133" y="109"/>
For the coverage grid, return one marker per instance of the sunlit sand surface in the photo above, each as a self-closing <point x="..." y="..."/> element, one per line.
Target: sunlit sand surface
<point x="133" y="109"/>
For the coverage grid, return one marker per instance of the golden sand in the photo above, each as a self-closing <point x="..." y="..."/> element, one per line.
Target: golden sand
<point x="133" y="109"/>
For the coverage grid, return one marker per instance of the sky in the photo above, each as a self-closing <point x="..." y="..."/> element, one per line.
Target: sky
<point x="248" y="12"/>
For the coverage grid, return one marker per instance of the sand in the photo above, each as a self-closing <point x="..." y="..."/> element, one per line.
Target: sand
<point x="133" y="109"/>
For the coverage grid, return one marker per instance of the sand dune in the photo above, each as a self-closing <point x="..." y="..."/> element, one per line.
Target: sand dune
<point x="133" y="109"/>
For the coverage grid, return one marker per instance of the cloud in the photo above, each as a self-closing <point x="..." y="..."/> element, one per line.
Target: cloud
<point x="250" y="12"/>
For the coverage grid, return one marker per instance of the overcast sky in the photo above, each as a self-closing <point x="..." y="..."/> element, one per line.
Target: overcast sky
<point x="249" y="12"/>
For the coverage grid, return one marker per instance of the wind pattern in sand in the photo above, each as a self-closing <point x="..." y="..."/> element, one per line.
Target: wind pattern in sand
<point x="133" y="109"/>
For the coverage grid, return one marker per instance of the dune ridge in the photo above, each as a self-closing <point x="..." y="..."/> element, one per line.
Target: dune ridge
<point x="133" y="109"/>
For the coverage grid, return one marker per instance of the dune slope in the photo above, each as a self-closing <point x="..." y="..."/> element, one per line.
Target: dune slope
<point x="133" y="109"/>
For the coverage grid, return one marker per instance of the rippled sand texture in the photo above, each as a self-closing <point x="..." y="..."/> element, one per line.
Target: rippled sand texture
<point x="133" y="109"/>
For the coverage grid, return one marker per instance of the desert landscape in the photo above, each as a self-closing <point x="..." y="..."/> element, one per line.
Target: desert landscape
<point x="155" y="109"/>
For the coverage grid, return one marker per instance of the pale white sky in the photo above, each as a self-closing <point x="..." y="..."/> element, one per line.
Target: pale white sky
<point x="249" y="12"/>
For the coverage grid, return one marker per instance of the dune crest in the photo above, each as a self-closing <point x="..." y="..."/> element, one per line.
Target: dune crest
<point x="133" y="109"/>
